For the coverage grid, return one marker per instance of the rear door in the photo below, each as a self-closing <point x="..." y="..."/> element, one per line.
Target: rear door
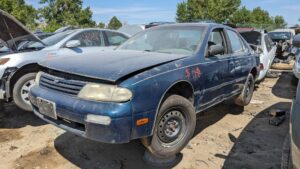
<point x="241" y="60"/>
<point x="114" y="39"/>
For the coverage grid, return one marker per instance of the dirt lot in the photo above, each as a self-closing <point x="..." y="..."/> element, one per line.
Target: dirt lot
<point x="226" y="137"/>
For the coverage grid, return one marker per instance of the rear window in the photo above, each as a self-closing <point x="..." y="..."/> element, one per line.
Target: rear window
<point x="252" y="37"/>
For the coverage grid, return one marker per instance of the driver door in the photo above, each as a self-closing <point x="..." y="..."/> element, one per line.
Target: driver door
<point x="216" y="72"/>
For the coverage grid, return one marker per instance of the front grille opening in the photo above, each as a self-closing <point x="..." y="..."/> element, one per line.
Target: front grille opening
<point x="70" y="87"/>
<point x="68" y="123"/>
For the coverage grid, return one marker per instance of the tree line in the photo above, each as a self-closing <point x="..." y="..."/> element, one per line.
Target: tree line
<point x="227" y="11"/>
<point x="54" y="14"/>
<point x="57" y="13"/>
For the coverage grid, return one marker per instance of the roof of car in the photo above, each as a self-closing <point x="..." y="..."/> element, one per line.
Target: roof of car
<point x="194" y="24"/>
<point x="101" y="29"/>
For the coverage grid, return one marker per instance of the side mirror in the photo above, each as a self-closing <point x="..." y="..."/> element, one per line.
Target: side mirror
<point x="73" y="44"/>
<point x="215" y="50"/>
<point x="296" y="41"/>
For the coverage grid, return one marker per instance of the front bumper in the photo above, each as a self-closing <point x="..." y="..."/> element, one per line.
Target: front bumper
<point x="72" y="112"/>
<point x="295" y="134"/>
<point x="2" y="85"/>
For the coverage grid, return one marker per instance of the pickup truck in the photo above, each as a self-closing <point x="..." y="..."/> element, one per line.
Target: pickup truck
<point x="149" y="88"/>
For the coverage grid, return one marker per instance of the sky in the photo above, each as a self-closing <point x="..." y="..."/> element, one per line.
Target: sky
<point x="145" y="11"/>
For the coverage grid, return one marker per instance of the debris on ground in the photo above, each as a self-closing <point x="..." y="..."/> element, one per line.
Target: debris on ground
<point x="283" y="64"/>
<point x="272" y="74"/>
<point x="277" y="113"/>
<point x="277" y="117"/>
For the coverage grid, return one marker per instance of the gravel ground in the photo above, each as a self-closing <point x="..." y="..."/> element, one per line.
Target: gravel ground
<point x="226" y="136"/>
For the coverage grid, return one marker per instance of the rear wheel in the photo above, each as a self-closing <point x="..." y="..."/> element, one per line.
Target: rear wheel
<point x="21" y="91"/>
<point x="174" y="127"/>
<point x="245" y="97"/>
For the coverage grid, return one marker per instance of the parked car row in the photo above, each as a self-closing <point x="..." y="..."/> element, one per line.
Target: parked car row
<point x="106" y="86"/>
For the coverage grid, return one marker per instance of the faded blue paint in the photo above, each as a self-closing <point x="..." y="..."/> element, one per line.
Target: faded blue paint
<point x="213" y="80"/>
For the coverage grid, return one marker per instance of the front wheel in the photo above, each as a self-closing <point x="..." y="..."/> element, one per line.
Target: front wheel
<point x="175" y="125"/>
<point x="245" y="97"/>
<point x="21" y="91"/>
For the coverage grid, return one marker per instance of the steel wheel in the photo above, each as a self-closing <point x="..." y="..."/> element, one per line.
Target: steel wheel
<point x="25" y="90"/>
<point x="171" y="126"/>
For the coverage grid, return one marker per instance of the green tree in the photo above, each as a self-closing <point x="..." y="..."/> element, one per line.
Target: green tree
<point x="182" y="15"/>
<point x="25" y="13"/>
<point x="241" y="17"/>
<point x="279" y="22"/>
<point x="261" y="19"/>
<point x="101" y="25"/>
<point x="58" y="13"/>
<point x="114" y="23"/>
<point x="217" y="10"/>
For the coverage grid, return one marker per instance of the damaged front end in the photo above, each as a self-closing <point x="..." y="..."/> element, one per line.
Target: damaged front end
<point x="5" y="89"/>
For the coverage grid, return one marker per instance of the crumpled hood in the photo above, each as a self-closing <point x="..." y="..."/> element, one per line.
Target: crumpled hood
<point x="12" y="31"/>
<point x="110" y="65"/>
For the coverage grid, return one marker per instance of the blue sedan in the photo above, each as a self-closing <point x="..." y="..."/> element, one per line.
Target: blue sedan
<point x="150" y="88"/>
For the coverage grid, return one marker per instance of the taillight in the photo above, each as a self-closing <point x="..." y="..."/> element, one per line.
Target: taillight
<point x="261" y="66"/>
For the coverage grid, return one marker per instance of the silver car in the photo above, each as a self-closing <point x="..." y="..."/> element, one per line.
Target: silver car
<point x="260" y="40"/>
<point x="18" y="69"/>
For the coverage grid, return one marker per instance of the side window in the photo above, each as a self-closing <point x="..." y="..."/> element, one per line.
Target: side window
<point x="90" y="39"/>
<point x="235" y="41"/>
<point x="217" y="38"/>
<point x="268" y="44"/>
<point x="115" y="39"/>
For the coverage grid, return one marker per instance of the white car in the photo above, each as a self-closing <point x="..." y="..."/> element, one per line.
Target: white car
<point x="19" y="67"/>
<point x="262" y="43"/>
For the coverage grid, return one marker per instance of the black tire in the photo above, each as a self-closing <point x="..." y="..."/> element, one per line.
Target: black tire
<point x="245" y="97"/>
<point x="176" y="115"/>
<point x="17" y="91"/>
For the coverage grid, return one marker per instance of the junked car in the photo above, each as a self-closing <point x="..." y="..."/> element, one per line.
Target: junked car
<point x="149" y="88"/>
<point x="261" y="42"/>
<point x="295" y="122"/>
<point x="18" y="69"/>
<point x="283" y="38"/>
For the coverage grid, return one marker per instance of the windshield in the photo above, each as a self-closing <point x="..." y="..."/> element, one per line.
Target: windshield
<point x="52" y="40"/>
<point x="252" y="37"/>
<point x="173" y="40"/>
<point x="280" y="35"/>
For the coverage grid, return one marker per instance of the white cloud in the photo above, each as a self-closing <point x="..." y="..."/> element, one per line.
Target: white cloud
<point x="136" y="13"/>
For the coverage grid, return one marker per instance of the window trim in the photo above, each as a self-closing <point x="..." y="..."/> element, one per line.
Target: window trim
<point x="100" y="33"/>
<point x="244" y="49"/>
<point x="106" y="37"/>
<point x="224" y="37"/>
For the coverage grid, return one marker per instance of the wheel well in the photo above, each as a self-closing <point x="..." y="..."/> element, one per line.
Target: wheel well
<point x="30" y="68"/>
<point x="254" y="72"/>
<point x="184" y="89"/>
